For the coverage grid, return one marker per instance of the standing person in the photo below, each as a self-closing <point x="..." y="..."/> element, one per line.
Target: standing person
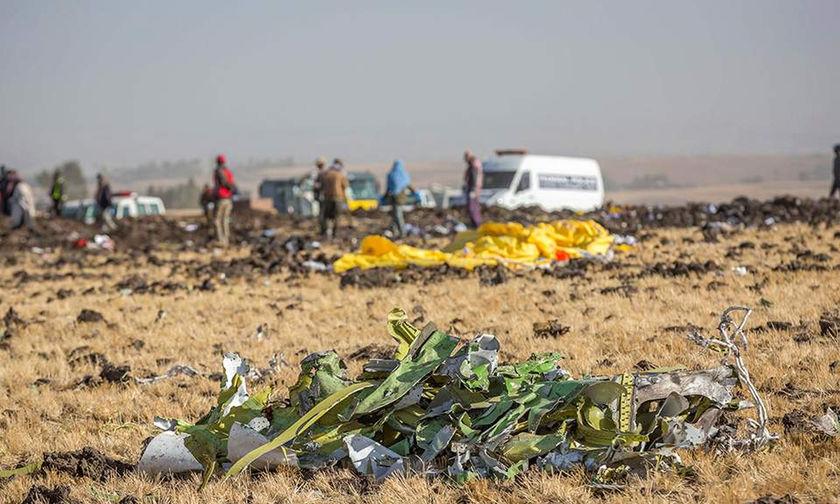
<point x="835" y="186"/>
<point x="205" y="201"/>
<point x="473" y="178"/>
<point x="5" y="194"/>
<point x="223" y="189"/>
<point x="21" y="201"/>
<point x="317" y="188"/>
<point x="57" y="193"/>
<point x="104" y="202"/>
<point x="398" y="184"/>
<point x="335" y="194"/>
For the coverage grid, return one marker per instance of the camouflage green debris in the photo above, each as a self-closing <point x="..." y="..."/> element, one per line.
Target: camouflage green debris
<point x="437" y="408"/>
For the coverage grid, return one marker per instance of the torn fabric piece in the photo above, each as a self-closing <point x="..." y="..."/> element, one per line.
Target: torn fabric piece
<point x="493" y="243"/>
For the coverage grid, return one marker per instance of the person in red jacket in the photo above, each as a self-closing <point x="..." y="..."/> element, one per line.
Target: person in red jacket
<point x="223" y="189"/>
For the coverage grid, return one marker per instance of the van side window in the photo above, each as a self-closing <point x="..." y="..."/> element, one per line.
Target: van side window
<point x="154" y="209"/>
<point x="125" y="212"/>
<point x="524" y="182"/>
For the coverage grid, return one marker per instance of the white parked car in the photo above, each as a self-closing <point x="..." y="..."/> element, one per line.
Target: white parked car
<point x="125" y="204"/>
<point x="515" y="179"/>
<point x="129" y="204"/>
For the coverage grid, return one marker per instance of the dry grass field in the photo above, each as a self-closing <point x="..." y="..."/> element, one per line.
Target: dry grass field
<point x="44" y="409"/>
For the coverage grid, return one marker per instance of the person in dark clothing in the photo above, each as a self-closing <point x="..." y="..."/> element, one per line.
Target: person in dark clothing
<point x="205" y="201"/>
<point x="57" y="193"/>
<point x="318" y="189"/>
<point x="334" y="189"/>
<point x="104" y="202"/>
<point x="473" y="178"/>
<point x="835" y="186"/>
<point x="5" y="193"/>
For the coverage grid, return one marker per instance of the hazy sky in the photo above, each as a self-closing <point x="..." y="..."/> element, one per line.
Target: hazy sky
<point x="118" y="82"/>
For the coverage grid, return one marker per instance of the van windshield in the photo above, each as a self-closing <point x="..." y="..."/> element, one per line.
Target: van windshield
<point x="363" y="188"/>
<point x="498" y="179"/>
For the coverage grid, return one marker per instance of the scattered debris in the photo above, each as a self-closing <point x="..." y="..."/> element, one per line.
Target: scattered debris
<point x="175" y="370"/>
<point x="438" y="408"/>
<point x="111" y="373"/>
<point x="828" y="424"/>
<point x="261" y="332"/>
<point x="732" y="339"/>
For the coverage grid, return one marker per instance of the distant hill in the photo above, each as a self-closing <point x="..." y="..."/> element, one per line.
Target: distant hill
<point x="694" y="171"/>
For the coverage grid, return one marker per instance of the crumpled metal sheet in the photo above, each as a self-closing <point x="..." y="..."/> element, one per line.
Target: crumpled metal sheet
<point x="828" y="424"/>
<point x="243" y="439"/>
<point x="442" y="409"/>
<point x="235" y="366"/>
<point x="166" y="453"/>
<point x="370" y="457"/>
<point x="716" y="384"/>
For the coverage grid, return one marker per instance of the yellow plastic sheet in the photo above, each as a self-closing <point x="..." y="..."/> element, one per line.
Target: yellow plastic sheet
<point x="509" y="243"/>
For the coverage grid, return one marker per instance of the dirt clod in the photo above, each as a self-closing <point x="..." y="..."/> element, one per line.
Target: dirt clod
<point x="492" y="275"/>
<point x="39" y="494"/>
<point x="115" y="374"/>
<point x="89" y="316"/>
<point x="85" y="463"/>
<point x="829" y="325"/>
<point x="775" y="499"/>
<point x="372" y="351"/>
<point x="550" y="329"/>
<point x="644" y="365"/>
<point x="12" y="319"/>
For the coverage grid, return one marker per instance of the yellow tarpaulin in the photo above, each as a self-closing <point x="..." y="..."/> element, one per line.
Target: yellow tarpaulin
<point x="492" y="243"/>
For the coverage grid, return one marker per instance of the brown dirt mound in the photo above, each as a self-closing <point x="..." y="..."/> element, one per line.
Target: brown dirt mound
<point x="85" y="463"/>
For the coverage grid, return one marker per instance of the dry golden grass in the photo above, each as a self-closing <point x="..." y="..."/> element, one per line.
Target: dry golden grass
<point x="610" y="333"/>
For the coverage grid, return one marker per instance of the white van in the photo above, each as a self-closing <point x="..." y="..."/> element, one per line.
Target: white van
<point x="517" y="179"/>
<point x="124" y="204"/>
<point x="129" y="204"/>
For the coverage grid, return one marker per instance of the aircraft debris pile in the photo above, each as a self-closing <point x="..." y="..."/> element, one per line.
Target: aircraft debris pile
<point x="440" y="407"/>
